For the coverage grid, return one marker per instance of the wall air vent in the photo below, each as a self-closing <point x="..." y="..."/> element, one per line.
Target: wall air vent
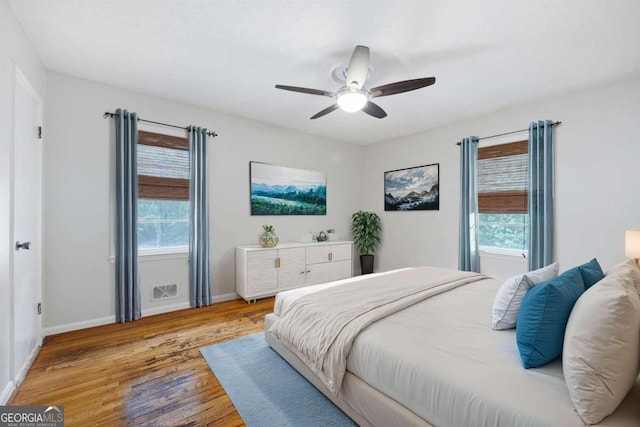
<point x="164" y="291"/>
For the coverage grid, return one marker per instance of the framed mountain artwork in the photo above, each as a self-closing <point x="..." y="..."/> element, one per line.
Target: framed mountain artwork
<point x="412" y="189"/>
<point x="280" y="190"/>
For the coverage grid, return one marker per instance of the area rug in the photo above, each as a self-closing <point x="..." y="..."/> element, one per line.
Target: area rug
<point x="265" y="389"/>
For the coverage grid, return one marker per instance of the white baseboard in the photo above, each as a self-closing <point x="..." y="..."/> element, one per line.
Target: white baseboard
<point x="7" y="392"/>
<point x="185" y="304"/>
<point x="11" y="386"/>
<point x="27" y="364"/>
<point x="165" y="308"/>
<point x="224" y="297"/>
<point x="112" y="319"/>
<point x="79" y="325"/>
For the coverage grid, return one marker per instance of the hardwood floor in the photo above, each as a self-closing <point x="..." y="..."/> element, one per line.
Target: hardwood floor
<point x="143" y="373"/>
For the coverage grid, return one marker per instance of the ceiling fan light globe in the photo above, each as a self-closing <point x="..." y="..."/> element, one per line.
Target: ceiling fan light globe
<point x="352" y="101"/>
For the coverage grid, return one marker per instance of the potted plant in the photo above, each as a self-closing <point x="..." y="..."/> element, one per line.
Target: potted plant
<point x="365" y="227"/>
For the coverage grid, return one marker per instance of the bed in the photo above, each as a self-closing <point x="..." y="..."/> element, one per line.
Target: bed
<point x="430" y="361"/>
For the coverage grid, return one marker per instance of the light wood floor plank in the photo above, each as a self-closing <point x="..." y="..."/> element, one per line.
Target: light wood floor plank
<point x="147" y="372"/>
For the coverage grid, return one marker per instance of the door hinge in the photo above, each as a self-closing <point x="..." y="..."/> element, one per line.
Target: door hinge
<point x="39" y="308"/>
<point x="39" y="132"/>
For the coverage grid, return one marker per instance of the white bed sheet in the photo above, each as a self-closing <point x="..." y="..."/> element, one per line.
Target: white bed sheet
<point x="448" y="366"/>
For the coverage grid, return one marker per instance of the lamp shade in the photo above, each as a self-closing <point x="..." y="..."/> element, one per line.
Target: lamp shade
<point x="632" y="243"/>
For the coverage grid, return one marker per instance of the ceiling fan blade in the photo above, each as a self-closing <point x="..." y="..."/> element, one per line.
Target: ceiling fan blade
<point x="374" y="110"/>
<point x="306" y="90"/>
<point x="358" y="67"/>
<point x="324" y="112"/>
<point x="399" y="87"/>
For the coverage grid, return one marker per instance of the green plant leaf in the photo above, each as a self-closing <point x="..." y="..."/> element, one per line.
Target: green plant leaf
<point x="365" y="228"/>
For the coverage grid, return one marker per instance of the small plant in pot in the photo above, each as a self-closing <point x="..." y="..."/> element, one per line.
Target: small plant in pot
<point x="365" y="227"/>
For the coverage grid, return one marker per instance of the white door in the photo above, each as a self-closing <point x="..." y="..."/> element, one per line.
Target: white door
<point x="27" y="227"/>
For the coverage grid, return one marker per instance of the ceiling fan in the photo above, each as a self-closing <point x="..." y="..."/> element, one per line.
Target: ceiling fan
<point x="353" y="96"/>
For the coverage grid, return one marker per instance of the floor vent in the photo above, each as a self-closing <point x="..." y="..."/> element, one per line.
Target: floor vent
<point x="164" y="292"/>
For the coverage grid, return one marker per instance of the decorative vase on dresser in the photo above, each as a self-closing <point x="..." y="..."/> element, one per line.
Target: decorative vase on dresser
<point x="262" y="272"/>
<point x="269" y="238"/>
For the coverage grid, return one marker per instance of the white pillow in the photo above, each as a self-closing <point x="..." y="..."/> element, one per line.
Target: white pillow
<point x="631" y="268"/>
<point x="506" y="304"/>
<point x="602" y="344"/>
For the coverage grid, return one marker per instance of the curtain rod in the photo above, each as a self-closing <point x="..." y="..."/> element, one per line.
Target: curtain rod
<point x="108" y="114"/>
<point x="509" y="133"/>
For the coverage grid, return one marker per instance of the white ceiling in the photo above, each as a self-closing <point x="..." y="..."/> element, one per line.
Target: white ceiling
<point x="227" y="55"/>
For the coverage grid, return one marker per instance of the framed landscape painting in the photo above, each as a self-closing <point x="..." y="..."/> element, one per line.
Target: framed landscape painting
<point x="412" y="189"/>
<point x="279" y="190"/>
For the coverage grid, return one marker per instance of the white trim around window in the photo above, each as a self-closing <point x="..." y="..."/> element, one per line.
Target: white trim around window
<point x="157" y="254"/>
<point x="178" y="251"/>
<point x="503" y="253"/>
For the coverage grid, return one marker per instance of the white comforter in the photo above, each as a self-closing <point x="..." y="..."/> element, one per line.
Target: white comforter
<point x="320" y="327"/>
<point x="441" y="359"/>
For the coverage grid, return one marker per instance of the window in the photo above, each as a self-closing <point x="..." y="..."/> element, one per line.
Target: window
<point x="163" y="191"/>
<point x="503" y="231"/>
<point x="503" y="220"/>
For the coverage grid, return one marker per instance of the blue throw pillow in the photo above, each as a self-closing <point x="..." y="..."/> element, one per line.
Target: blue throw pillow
<point x="591" y="273"/>
<point x="543" y="318"/>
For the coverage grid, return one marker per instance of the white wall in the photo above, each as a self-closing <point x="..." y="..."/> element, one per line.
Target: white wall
<point x="14" y="51"/>
<point x="79" y="289"/>
<point x="597" y="185"/>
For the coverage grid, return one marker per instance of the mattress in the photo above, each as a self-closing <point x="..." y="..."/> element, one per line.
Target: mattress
<point x="446" y="365"/>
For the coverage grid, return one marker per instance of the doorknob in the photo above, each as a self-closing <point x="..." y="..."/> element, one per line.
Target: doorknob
<point x="25" y="245"/>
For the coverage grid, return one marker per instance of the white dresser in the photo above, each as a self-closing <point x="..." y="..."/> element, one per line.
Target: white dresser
<point x="262" y="272"/>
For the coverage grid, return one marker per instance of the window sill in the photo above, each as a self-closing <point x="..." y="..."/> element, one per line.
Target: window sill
<point x="503" y="253"/>
<point x="176" y="250"/>
<point x="158" y="254"/>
